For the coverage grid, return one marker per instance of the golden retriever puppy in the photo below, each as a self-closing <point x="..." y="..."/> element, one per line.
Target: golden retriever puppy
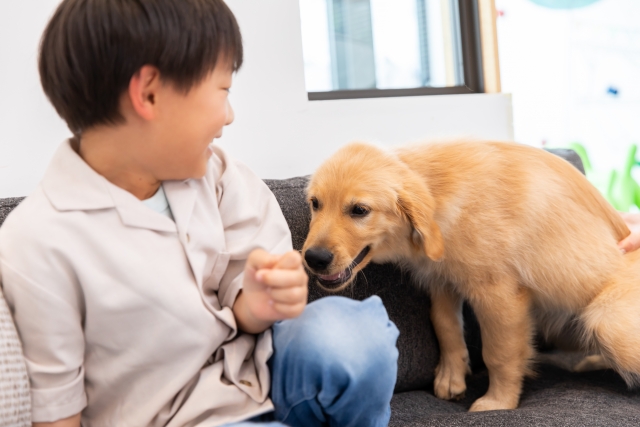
<point x="516" y="231"/>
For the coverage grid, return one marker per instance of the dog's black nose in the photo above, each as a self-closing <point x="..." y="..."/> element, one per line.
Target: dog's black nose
<point x="318" y="258"/>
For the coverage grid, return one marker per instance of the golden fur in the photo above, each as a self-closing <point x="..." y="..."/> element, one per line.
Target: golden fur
<point x="517" y="232"/>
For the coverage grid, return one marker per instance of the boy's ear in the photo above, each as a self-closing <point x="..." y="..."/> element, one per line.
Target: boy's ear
<point x="415" y="202"/>
<point x="143" y="90"/>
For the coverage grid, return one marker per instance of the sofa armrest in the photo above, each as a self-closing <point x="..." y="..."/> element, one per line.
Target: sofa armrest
<point x="15" y="396"/>
<point x="7" y="205"/>
<point x="570" y="156"/>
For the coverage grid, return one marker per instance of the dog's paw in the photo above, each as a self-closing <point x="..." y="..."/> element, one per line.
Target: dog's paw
<point x="486" y="403"/>
<point x="449" y="383"/>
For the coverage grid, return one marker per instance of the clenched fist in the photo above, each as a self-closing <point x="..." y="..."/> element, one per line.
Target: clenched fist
<point x="275" y="288"/>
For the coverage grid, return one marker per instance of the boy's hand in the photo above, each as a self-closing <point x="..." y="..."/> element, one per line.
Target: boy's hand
<point x="632" y="241"/>
<point x="275" y="288"/>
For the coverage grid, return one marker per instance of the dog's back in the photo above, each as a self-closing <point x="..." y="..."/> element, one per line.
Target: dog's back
<point x="514" y="209"/>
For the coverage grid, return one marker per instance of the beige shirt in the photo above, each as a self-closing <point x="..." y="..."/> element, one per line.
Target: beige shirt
<point x="126" y="315"/>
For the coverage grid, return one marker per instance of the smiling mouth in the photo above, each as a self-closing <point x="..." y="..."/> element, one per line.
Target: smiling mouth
<point x="333" y="280"/>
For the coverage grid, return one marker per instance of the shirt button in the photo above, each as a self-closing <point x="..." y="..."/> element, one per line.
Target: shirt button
<point x="188" y="238"/>
<point x="245" y="382"/>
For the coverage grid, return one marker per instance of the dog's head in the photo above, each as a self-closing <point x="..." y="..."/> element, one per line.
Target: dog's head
<point x="366" y="206"/>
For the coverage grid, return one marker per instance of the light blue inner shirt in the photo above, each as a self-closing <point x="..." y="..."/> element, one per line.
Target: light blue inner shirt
<point x="159" y="203"/>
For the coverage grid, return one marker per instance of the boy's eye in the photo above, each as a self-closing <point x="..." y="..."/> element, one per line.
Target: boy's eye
<point x="314" y="203"/>
<point x="359" y="211"/>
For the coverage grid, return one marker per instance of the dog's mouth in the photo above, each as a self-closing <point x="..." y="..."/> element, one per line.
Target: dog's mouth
<point x="337" y="279"/>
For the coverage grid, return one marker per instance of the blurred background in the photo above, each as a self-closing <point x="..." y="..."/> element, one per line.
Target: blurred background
<point x="571" y="66"/>
<point x="320" y="73"/>
<point x="380" y="44"/>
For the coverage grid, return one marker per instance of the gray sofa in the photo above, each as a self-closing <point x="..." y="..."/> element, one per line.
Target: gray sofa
<point x="555" y="397"/>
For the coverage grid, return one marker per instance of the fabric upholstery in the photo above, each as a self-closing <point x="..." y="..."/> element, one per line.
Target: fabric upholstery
<point x="15" y="399"/>
<point x="554" y="398"/>
<point x="7" y="205"/>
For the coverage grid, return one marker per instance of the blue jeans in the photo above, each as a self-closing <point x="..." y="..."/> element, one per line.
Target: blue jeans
<point x="335" y="365"/>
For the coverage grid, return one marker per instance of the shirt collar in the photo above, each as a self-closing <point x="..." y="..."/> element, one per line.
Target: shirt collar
<point x="71" y="184"/>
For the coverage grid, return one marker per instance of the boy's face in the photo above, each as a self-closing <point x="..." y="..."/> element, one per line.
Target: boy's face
<point x="186" y="124"/>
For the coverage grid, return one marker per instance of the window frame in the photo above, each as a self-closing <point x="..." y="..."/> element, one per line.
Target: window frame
<point x="470" y="40"/>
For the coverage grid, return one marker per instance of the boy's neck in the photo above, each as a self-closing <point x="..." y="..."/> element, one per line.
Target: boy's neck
<point x="112" y="152"/>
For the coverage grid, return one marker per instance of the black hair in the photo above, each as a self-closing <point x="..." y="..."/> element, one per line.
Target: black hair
<point x="90" y="49"/>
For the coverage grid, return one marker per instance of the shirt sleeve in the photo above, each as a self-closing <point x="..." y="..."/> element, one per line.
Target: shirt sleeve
<point x="252" y="219"/>
<point x="46" y="306"/>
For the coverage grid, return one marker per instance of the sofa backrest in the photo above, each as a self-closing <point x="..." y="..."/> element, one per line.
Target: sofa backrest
<point x="407" y="305"/>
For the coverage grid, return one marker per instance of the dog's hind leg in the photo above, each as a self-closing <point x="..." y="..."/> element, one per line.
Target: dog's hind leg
<point x="503" y="311"/>
<point x="446" y="317"/>
<point x="612" y="326"/>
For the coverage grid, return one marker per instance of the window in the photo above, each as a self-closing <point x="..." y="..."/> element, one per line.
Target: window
<point x="378" y="48"/>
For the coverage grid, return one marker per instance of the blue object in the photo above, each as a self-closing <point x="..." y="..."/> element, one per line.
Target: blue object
<point x="612" y="91"/>
<point x="335" y="364"/>
<point x="563" y="4"/>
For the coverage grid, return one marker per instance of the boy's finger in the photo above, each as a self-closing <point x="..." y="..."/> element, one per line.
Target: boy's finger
<point x="277" y="278"/>
<point x="630" y="244"/>
<point x="289" y="311"/>
<point x="259" y="258"/>
<point x="292" y="295"/>
<point x="290" y="261"/>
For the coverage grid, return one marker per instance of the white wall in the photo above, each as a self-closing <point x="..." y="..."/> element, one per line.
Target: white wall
<point x="559" y="64"/>
<point x="278" y="132"/>
<point x="30" y="129"/>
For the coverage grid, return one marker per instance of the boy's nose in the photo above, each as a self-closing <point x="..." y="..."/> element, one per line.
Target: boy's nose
<point x="230" y="114"/>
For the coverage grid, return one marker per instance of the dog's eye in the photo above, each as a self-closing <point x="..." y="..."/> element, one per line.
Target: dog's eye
<point x="314" y="203"/>
<point x="358" y="210"/>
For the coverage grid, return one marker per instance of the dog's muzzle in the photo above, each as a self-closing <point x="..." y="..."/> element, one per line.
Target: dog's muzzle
<point x="322" y="258"/>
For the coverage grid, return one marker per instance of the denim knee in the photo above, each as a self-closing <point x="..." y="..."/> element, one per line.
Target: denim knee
<point x="342" y="335"/>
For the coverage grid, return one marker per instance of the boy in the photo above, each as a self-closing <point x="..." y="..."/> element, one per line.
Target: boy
<point x="146" y="271"/>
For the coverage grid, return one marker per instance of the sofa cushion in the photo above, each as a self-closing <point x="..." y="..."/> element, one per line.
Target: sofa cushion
<point x="555" y="398"/>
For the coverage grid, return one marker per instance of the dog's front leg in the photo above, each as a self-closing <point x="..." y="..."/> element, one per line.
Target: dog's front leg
<point x="446" y="317"/>
<point x="503" y="312"/>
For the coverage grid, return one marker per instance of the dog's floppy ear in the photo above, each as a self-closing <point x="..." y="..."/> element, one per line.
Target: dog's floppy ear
<point x="415" y="202"/>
